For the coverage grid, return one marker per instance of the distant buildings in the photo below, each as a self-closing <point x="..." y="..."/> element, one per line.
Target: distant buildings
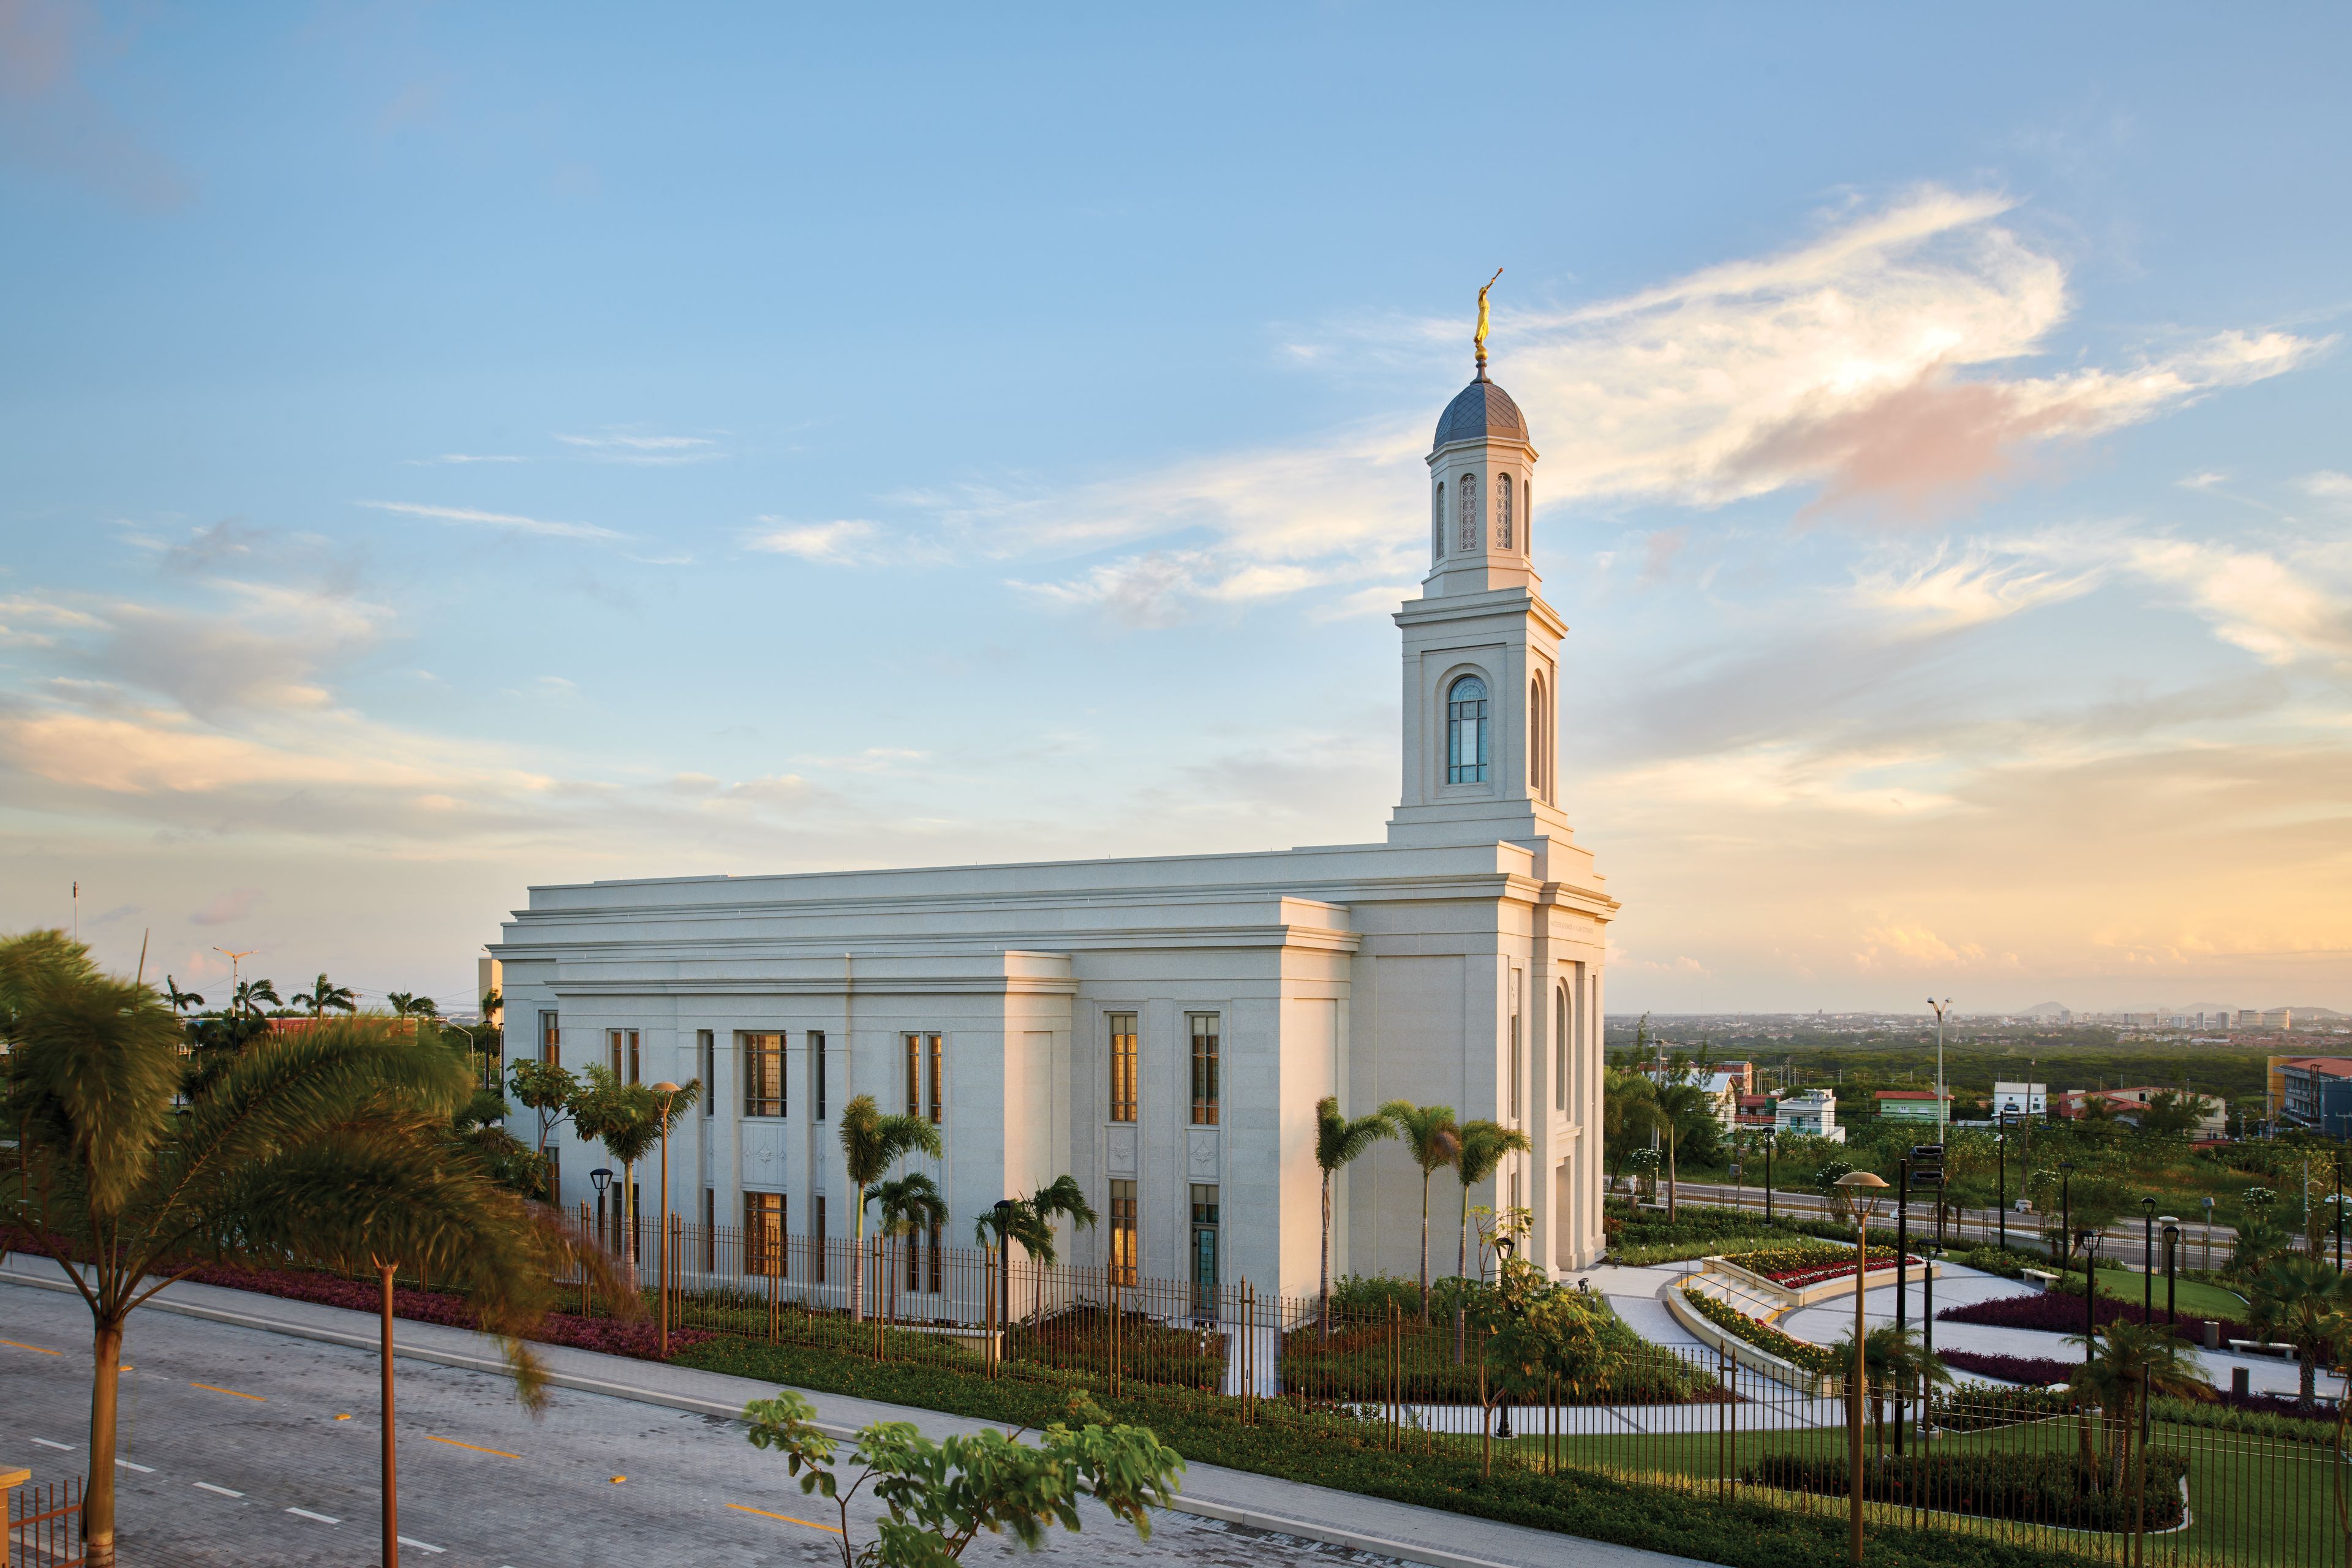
<point x="1912" y="1105"/>
<point x="2314" y="1092"/>
<point x="2020" y="1099"/>
<point x="2128" y="1104"/>
<point x="1814" y="1113"/>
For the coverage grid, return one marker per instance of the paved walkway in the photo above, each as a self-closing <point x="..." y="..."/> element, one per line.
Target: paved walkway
<point x="1317" y="1513"/>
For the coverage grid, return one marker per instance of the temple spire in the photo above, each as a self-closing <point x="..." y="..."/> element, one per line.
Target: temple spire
<point x="1478" y="338"/>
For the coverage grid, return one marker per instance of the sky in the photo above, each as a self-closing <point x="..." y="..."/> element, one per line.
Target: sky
<point x="444" y="449"/>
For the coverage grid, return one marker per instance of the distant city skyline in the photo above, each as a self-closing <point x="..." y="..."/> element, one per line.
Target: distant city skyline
<point x="453" y="451"/>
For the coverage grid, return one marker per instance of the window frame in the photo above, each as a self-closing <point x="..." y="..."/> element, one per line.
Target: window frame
<point x="1207" y="1073"/>
<point x="1123" y="1054"/>
<point x="766" y="1247"/>
<point x="1481" y="727"/>
<point x="1120" y="1232"/>
<point x="763" y="1071"/>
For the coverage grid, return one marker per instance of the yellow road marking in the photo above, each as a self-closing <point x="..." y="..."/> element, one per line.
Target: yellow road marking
<point x="216" y="1388"/>
<point x="788" y="1518"/>
<point x="453" y="1442"/>
<point x="35" y="1348"/>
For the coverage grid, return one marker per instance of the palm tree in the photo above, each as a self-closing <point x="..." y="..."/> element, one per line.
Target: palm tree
<point x="2132" y="1361"/>
<point x="908" y="1205"/>
<point x="180" y="1001"/>
<point x="2302" y="1298"/>
<point x="328" y="1147"/>
<point x="1062" y="1198"/>
<point x="406" y="1005"/>
<point x="1484" y="1145"/>
<point x="324" y="997"/>
<point x="1628" y="1107"/>
<point x="1677" y="1102"/>
<point x="251" y="993"/>
<point x="629" y="1119"/>
<point x="1338" y="1141"/>
<point x="871" y="1144"/>
<point x="1894" y="1359"/>
<point x="1434" y="1141"/>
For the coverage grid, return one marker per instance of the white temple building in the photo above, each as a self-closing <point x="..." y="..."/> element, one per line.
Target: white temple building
<point x="1160" y="1028"/>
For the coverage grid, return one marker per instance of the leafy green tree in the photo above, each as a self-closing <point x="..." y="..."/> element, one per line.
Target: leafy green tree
<point x="2259" y="1238"/>
<point x="324" y="997"/>
<point x="326" y="1147"/>
<point x="549" y="1090"/>
<point x="1434" y="1141"/>
<point x="1628" y="1112"/>
<point x="2301" y="1301"/>
<point x="939" y="1496"/>
<point x="1338" y="1143"/>
<point x="871" y="1144"/>
<point x="2170" y="1112"/>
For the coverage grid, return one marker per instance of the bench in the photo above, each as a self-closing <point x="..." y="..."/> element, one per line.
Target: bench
<point x="2039" y="1279"/>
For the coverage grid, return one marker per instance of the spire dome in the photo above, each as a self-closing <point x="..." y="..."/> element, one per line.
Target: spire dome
<point x="1482" y="411"/>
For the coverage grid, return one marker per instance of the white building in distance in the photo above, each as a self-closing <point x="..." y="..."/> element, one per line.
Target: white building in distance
<point x="1160" y="1028"/>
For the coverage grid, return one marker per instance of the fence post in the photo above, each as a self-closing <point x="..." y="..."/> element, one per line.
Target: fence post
<point x="1117" y="1347"/>
<point x="990" y="1349"/>
<point x="9" y="1481"/>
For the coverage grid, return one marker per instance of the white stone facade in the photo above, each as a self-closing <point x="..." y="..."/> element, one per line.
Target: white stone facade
<point x="1460" y="960"/>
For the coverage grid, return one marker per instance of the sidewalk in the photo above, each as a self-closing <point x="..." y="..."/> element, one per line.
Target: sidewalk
<point x="1349" y="1519"/>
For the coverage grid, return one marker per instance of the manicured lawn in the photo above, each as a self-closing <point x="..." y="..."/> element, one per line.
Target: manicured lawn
<point x="2192" y="1298"/>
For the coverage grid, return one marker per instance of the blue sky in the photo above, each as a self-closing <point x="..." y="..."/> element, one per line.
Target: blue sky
<point x="448" y="450"/>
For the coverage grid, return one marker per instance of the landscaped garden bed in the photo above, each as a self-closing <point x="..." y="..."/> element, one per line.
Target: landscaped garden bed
<point x="2056" y="1311"/>
<point x="1799" y="1264"/>
<point x="1755" y="1331"/>
<point x="1353" y="1365"/>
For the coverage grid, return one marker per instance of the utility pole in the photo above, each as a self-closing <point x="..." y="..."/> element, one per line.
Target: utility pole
<point x="234" y="959"/>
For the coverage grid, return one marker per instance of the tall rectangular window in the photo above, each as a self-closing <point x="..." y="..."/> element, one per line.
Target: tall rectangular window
<point x="1560" y="1049"/>
<point x="1122" y="1066"/>
<point x="623" y="1055"/>
<point x="1122" y="1232"/>
<point x="550" y="1036"/>
<point x="931" y="1045"/>
<point x="764" y="1072"/>
<point x="933" y="1284"/>
<point x="707" y="1048"/>
<point x="814" y="1039"/>
<point x="1204" y="1068"/>
<point x="1517" y="1063"/>
<point x="710" y="1231"/>
<point x="914" y="1080"/>
<point x="763" y="1233"/>
<point x="923" y="1057"/>
<point x="816" y="1251"/>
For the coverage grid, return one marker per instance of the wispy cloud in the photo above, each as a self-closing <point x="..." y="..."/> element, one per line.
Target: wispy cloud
<point x="655" y="449"/>
<point x="1877" y="365"/>
<point x="496" y="520"/>
<point x="846" y="541"/>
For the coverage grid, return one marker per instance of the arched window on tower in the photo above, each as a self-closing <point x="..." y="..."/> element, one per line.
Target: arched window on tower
<point x="1468" y="506"/>
<point x="1502" y="512"/>
<point x="1560" y="1049"/>
<point x="1465" y="731"/>
<point x="1437" y="525"/>
<point x="1527" y="518"/>
<point x="1536" y="737"/>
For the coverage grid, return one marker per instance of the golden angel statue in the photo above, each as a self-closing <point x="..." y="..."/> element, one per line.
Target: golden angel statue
<point x="1479" y="338"/>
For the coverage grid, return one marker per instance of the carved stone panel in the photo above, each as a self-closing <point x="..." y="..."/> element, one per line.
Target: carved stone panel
<point x="1119" y="1152"/>
<point x="1202" y="1153"/>
<point x="762" y="1153"/>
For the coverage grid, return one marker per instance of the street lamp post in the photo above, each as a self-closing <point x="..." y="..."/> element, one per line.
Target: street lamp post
<point x="1506" y="1247"/>
<point x="2089" y="1242"/>
<point x="2171" y="1261"/>
<point x="1942" y="1109"/>
<point x="1770" y="1138"/>
<point x="2065" y="1201"/>
<point x="1858" y="1185"/>
<point x="2209" y="1232"/>
<point x="668" y="1091"/>
<point x="601" y="1178"/>
<point x="2147" y="1259"/>
<point x="2000" y="1152"/>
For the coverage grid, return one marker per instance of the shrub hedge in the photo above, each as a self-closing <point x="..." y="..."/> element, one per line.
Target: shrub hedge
<point x="1324" y="1446"/>
<point x="2057" y="1490"/>
<point x="1761" y="1334"/>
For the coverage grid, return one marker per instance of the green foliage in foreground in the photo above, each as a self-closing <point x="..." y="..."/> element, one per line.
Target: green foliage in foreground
<point x="2058" y="1489"/>
<point x="937" y="1497"/>
<point x="1325" y="1447"/>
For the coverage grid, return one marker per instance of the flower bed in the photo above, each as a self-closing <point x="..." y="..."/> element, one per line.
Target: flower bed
<point x="1762" y="1335"/>
<point x="641" y="1338"/>
<point x="1806" y="1264"/>
<point x="2053" y="1490"/>
<point x="2058" y="1312"/>
<point x="2040" y="1371"/>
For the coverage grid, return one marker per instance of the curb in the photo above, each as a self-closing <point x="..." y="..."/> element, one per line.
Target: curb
<point x="1433" y="1557"/>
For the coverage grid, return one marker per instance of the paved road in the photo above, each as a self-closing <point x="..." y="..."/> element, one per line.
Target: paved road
<point x="236" y="1451"/>
<point x="2125" y="1238"/>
